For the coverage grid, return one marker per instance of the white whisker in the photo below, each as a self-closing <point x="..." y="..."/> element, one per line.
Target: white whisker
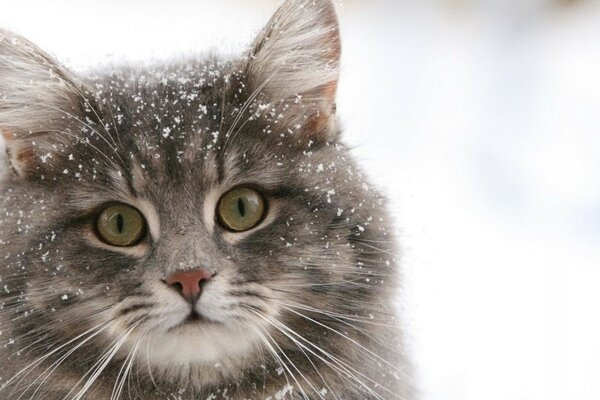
<point x="101" y="364"/>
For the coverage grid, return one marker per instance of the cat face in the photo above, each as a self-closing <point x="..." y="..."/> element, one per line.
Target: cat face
<point x="191" y="215"/>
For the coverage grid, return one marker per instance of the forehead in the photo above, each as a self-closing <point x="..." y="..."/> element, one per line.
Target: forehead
<point x="169" y="101"/>
<point x="177" y="128"/>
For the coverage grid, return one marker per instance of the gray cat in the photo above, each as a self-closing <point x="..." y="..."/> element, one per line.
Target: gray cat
<point x="194" y="230"/>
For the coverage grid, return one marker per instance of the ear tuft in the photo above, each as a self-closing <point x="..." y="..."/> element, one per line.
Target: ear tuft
<point x="296" y="60"/>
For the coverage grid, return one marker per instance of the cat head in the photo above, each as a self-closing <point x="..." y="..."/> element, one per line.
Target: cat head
<point x="189" y="214"/>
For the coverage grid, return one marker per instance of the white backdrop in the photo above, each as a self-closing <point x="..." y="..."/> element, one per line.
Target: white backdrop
<point x="481" y="120"/>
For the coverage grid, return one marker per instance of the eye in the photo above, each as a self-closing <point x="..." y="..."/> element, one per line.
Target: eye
<point x="120" y="225"/>
<point x="241" y="209"/>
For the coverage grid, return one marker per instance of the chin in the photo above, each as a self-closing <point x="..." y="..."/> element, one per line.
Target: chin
<point x="195" y="350"/>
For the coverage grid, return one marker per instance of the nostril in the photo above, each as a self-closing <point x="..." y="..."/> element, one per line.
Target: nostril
<point x="189" y="283"/>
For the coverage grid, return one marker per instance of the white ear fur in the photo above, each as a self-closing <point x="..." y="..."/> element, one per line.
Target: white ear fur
<point x="36" y="98"/>
<point x="297" y="56"/>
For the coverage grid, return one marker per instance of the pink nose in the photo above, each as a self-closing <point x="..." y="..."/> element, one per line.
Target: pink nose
<point x="189" y="283"/>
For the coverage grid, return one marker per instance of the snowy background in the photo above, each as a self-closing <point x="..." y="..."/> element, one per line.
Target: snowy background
<point x="481" y="120"/>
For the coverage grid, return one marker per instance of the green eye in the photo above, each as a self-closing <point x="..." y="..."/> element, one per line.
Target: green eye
<point x="120" y="225"/>
<point x="241" y="209"/>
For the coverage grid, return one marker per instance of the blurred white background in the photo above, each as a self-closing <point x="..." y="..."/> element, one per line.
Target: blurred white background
<point x="481" y="120"/>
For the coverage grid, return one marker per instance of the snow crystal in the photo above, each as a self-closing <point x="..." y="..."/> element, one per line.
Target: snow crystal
<point x="287" y="389"/>
<point x="45" y="157"/>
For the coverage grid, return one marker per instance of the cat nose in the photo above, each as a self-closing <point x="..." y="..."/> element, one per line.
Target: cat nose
<point x="189" y="283"/>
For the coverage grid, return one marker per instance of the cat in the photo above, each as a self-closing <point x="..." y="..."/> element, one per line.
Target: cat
<point x="194" y="229"/>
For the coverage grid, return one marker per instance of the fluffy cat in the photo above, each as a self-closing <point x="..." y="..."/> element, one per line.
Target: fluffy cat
<point x="193" y="230"/>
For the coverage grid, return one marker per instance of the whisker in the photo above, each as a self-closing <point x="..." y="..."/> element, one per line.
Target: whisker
<point x="340" y="364"/>
<point x="276" y="356"/>
<point x="100" y="365"/>
<point x="87" y="143"/>
<point x="46" y="373"/>
<point x="113" y="145"/>
<point x="148" y="364"/>
<point x="378" y="357"/>
<point x="93" y="109"/>
<point x="245" y="106"/>
<point x="44" y="357"/>
<point x="261" y="315"/>
<point x="124" y="372"/>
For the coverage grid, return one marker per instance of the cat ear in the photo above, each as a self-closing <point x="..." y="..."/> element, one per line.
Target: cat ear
<point x="37" y="98"/>
<point x="296" y="60"/>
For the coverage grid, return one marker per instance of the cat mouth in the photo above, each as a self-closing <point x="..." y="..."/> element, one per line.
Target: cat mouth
<point x="194" y="318"/>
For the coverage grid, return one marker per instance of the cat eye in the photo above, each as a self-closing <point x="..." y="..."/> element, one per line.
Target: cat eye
<point x="241" y="209"/>
<point x="120" y="225"/>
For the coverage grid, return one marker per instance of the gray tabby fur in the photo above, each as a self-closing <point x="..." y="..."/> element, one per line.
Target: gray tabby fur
<point x="301" y="306"/>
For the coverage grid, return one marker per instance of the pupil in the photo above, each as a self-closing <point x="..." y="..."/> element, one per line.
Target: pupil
<point x="120" y="223"/>
<point x="241" y="207"/>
